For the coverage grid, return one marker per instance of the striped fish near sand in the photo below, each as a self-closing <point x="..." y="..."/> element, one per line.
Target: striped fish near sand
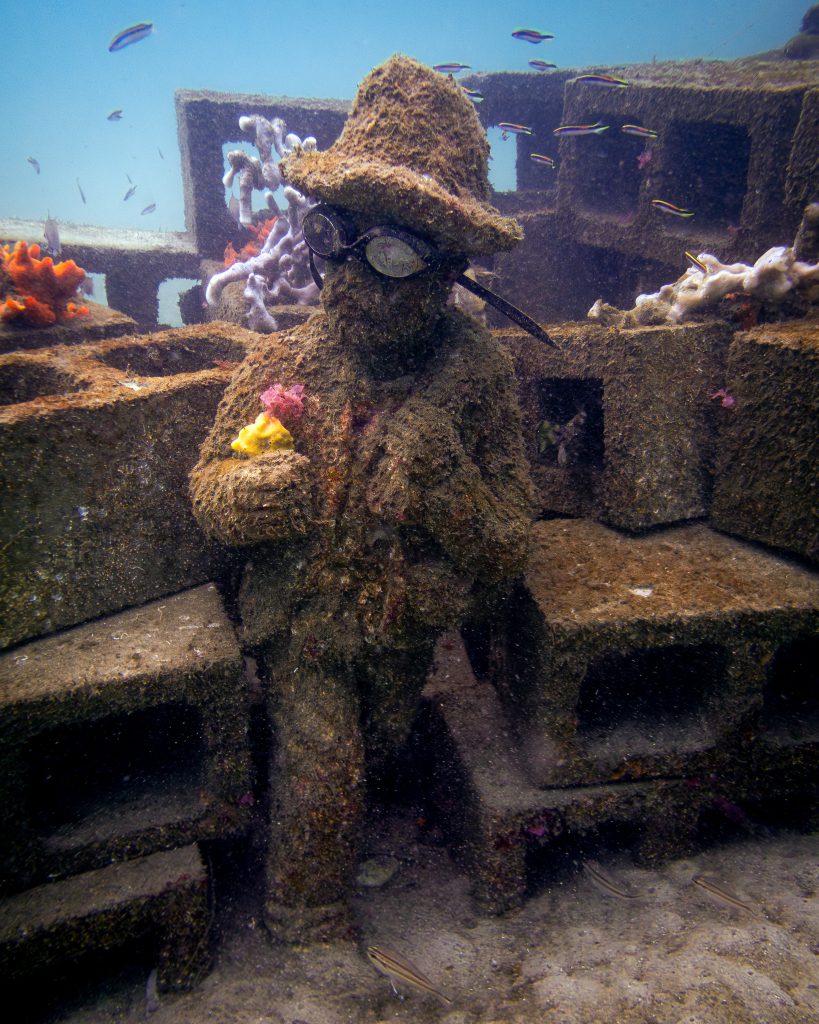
<point x="397" y="968"/>
<point x="722" y="896"/>
<point x="607" y="883"/>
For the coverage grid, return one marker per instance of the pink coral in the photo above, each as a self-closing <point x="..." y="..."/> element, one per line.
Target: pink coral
<point x="284" y="405"/>
<point x="727" y="400"/>
<point x="644" y="158"/>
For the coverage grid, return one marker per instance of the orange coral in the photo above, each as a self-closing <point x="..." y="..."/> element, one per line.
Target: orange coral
<point x="259" y="233"/>
<point x="44" y="290"/>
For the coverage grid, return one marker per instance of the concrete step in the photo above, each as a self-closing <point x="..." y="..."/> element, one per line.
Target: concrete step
<point x="162" y="899"/>
<point x="122" y="737"/>
<point x="646" y="693"/>
<point x="639" y="657"/>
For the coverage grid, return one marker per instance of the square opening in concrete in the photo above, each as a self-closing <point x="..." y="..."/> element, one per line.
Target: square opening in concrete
<point x="705" y="170"/>
<point x="168" y="359"/>
<point x="649" y="701"/>
<point x="608" y="172"/>
<point x="76" y="982"/>
<point x="25" y="381"/>
<point x="570" y="427"/>
<point x="92" y="781"/>
<point x="791" y="695"/>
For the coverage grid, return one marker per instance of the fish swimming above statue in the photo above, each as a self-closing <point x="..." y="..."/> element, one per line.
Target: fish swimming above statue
<point x="34" y="163"/>
<point x="129" y="193"/>
<point x="451" y="69"/>
<point x="115" y="115"/>
<point x="130" y="35"/>
<point x="531" y="35"/>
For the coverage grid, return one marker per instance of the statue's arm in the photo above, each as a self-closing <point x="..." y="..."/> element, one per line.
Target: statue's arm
<point x="466" y="483"/>
<point x="247" y="500"/>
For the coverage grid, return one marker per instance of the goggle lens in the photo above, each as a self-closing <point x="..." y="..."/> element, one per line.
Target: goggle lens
<point x="322" y="234"/>
<point x="393" y="257"/>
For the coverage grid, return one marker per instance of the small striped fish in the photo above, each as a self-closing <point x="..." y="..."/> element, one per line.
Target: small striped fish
<point x="512" y="128"/>
<point x="603" y="881"/>
<point x="531" y="35"/>
<point x="398" y="968"/>
<point x="722" y="896"/>
<point x="698" y="264"/>
<point x="131" y="35"/>
<point x="672" y="208"/>
<point x="581" y="129"/>
<point x="608" y="80"/>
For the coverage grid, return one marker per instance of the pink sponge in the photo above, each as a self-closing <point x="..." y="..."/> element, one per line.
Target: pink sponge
<point x="285" y="405"/>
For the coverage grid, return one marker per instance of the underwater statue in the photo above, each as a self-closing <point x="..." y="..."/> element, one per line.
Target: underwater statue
<point x="371" y="465"/>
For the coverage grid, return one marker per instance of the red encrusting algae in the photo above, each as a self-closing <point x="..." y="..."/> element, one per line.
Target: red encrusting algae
<point x="254" y="246"/>
<point x="41" y="290"/>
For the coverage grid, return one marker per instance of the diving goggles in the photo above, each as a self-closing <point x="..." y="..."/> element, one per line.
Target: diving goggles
<point x="391" y="252"/>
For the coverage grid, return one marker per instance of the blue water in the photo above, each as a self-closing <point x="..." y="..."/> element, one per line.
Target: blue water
<point x="59" y="82"/>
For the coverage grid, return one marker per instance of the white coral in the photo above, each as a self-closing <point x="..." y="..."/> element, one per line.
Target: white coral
<point x="774" y="274"/>
<point x="281" y="271"/>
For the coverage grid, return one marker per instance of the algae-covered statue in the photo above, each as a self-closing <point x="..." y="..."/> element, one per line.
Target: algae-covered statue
<point x="370" y="461"/>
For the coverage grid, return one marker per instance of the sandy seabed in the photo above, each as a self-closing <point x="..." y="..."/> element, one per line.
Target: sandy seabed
<point x="571" y="954"/>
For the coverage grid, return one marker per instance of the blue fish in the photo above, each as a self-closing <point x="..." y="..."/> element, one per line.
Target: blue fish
<point x="129" y="193"/>
<point x="115" y="115"/>
<point x="34" y="163"/>
<point x="511" y="128"/>
<point x="130" y="35"/>
<point x="530" y="35"/>
<point x="541" y="65"/>
<point x="148" y="209"/>
<point x="638" y="130"/>
<point x="609" y="80"/>
<point x="665" y="207"/>
<point x="474" y="94"/>
<point x="451" y="69"/>
<point x="581" y="129"/>
<point x="542" y="158"/>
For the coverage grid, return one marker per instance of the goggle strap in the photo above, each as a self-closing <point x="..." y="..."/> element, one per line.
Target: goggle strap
<point x="313" y="270"/>
<point x="519" y="317"/>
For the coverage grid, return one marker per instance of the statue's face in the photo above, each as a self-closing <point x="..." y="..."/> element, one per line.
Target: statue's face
<point x="376" y="314"/>
<point x="380" y="316"/>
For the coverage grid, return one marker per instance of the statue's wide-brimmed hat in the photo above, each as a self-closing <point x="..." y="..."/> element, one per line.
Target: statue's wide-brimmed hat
<point x="414" y="153"/>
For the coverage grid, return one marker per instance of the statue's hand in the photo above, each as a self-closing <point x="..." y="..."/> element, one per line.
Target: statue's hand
<point x="417" y="451"/>
<point x="265" y="498"/>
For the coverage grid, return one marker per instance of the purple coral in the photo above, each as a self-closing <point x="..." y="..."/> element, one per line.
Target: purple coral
<point x="281" y="271"/>
<point x="727" y="400"/>
<point x="284" y="405"/>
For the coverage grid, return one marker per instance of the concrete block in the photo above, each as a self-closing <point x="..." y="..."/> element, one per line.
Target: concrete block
<point x="638" y="658"/>
<point x="120" y="738"/>
<point x="162" y="897"/>
<point x="101" y="323"/>
<point x="765" y="486"/>
<point x="501" y="826"/>
<point x="643" y="456"/>
<point x="96" y="443"/>
<point x="206" y="121"/>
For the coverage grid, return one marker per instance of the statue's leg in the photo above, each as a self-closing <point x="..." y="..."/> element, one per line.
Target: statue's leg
<point x="390" y="683"/>
<point x="317" y="776"/>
